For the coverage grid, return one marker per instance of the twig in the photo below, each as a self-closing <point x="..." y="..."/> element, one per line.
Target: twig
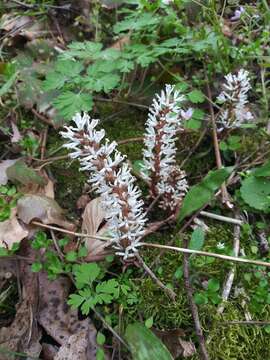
<point x="121" y="102"/>
<point x="194" y="148"/>
<point x="41" y="117"/>
<point x="243" y="322"/>
<point x="230" y="277"/>
<point x="224" y="192"/>
<point x="59" y="252"/>
<point x="193" y="306"/>
<point x="169" y="292"/>
<point x="221" y="218"/>
<point x="43" y="143"/>
<point x="135" y="139"/>
<point x="56" y="228"/>
<point x="210" y="254"/>
<point x="118" y="337"/>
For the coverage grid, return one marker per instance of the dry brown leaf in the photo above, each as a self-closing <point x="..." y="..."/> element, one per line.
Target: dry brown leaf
<point x="59" y="320"/>
<point x="173" y="339"/>
<point x="119" y="44"/>
<point x="42" y="208"/>
<point x="47" y="190"/>
<point x="11" y="231"/>
<point x="93" y="217"/>
<point x="74" y="348"/>
<point x="4" y="165"/>
<point x="16" y="137"/>
<point x="21" y="25"/>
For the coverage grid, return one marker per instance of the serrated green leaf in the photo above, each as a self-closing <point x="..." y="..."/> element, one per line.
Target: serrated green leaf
<point x="69" y="103"/>
<point x="196" y="96"/>
<point x="75" y="300"/>
<point x="108" y="287"/>
<point x="53" y="81"/>
<point x="144" y="344"/>
<point x="255" y="191"/>
<point x="202" y="193"/>
<point x="85" y="274"/>
<point x="197" y="239"/>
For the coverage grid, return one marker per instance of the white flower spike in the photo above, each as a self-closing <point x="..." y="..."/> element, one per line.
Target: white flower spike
<point x="159" y="164"/>
<point x="234" y="100"/>
<point x="111" y="178"/>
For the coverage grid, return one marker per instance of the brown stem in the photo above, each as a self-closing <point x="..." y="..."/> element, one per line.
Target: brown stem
<point x="193" y="306"/>
<point x="224" y="192"/>
<point x="169" y="292"/>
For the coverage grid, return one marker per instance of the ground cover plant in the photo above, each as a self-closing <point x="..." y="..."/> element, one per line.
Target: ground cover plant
<point x="134" y="179"/>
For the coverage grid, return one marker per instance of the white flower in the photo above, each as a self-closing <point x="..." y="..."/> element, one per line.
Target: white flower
<point x="186" y="115"/>
<point x="234" y="100"/>
<point x="111" y="178"/>
<point x="166" y="2"/>
<point x="159" y="164"/>
<point x="238" y="13"/>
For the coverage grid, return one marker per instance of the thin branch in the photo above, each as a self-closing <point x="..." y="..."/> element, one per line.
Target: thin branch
<point x="169" y="292"/>
<point x="121" y="102"/>
<point x="221" y="218"/>
<point x="193" y="306"/>
<point x="230" y="277"/>
<point x="56" y="228"/>
<point x="210" y="254"/>
<point x="224" y="192"/>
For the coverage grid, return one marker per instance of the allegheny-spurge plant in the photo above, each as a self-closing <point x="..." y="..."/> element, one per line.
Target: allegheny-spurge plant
<point x="159" y="168"/>
<point x="234" y="100"/>
<point x="111" y="178"/>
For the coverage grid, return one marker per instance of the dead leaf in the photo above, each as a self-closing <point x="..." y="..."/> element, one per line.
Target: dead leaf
<point x="60" y="321"/>
<point x="47" y="190"/>
<point x="4" y="165"/>
<point x="19" y="171"/>
<point x="119" y="44"/>
<point x="74" y="348"/>
<point x="40" y="207"/>
<point x="93" y="217"/>
<point x="11" y="231"/>
<point x="82" y="201"/>
<point x="173" y="339"/>
<point x="21" y="25"/>
<point x="16" y="137"/>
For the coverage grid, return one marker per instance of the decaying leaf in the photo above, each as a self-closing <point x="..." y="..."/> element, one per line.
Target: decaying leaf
<point x="4" y="165"/>
<point x="42" y="208"/>
<point x="11" y="231"/>
<point x="19" y="171"/>
<point x="47" y="190"/>
<point x="173" y="339"/>
<point x="21" y="25"/>
<point x="16" y="137"/>
<point x="74" y="348"/>
<point x="61" y="322"/>
<point x="93" y="217"/>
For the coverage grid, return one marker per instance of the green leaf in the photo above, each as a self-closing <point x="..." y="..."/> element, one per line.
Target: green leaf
<point x="196" y="96"/>
<point x="4" y="89"/>
<point x="263" y="170"/>
<point x="82" y="50"/>
<point x="53" y="81"/>
<point x="69" y="103"/>
<point x="197" y="239"/>
<point x="100" y="338"/>
<point x="24" y="174"/>
<point x="255" y="191"/>
<point x="202" y="193"/>
<point x="200" y="299"/>
<point x="75" y="300"/>
<point x="85" y="274"/>
<point x="213" y="285"/>
<point x="144" y="344"/>
<point x="108" y="287"/>
<point x="36" y="267"/>
<point x="71" y="256"/>
<point x="149" y="322"/>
